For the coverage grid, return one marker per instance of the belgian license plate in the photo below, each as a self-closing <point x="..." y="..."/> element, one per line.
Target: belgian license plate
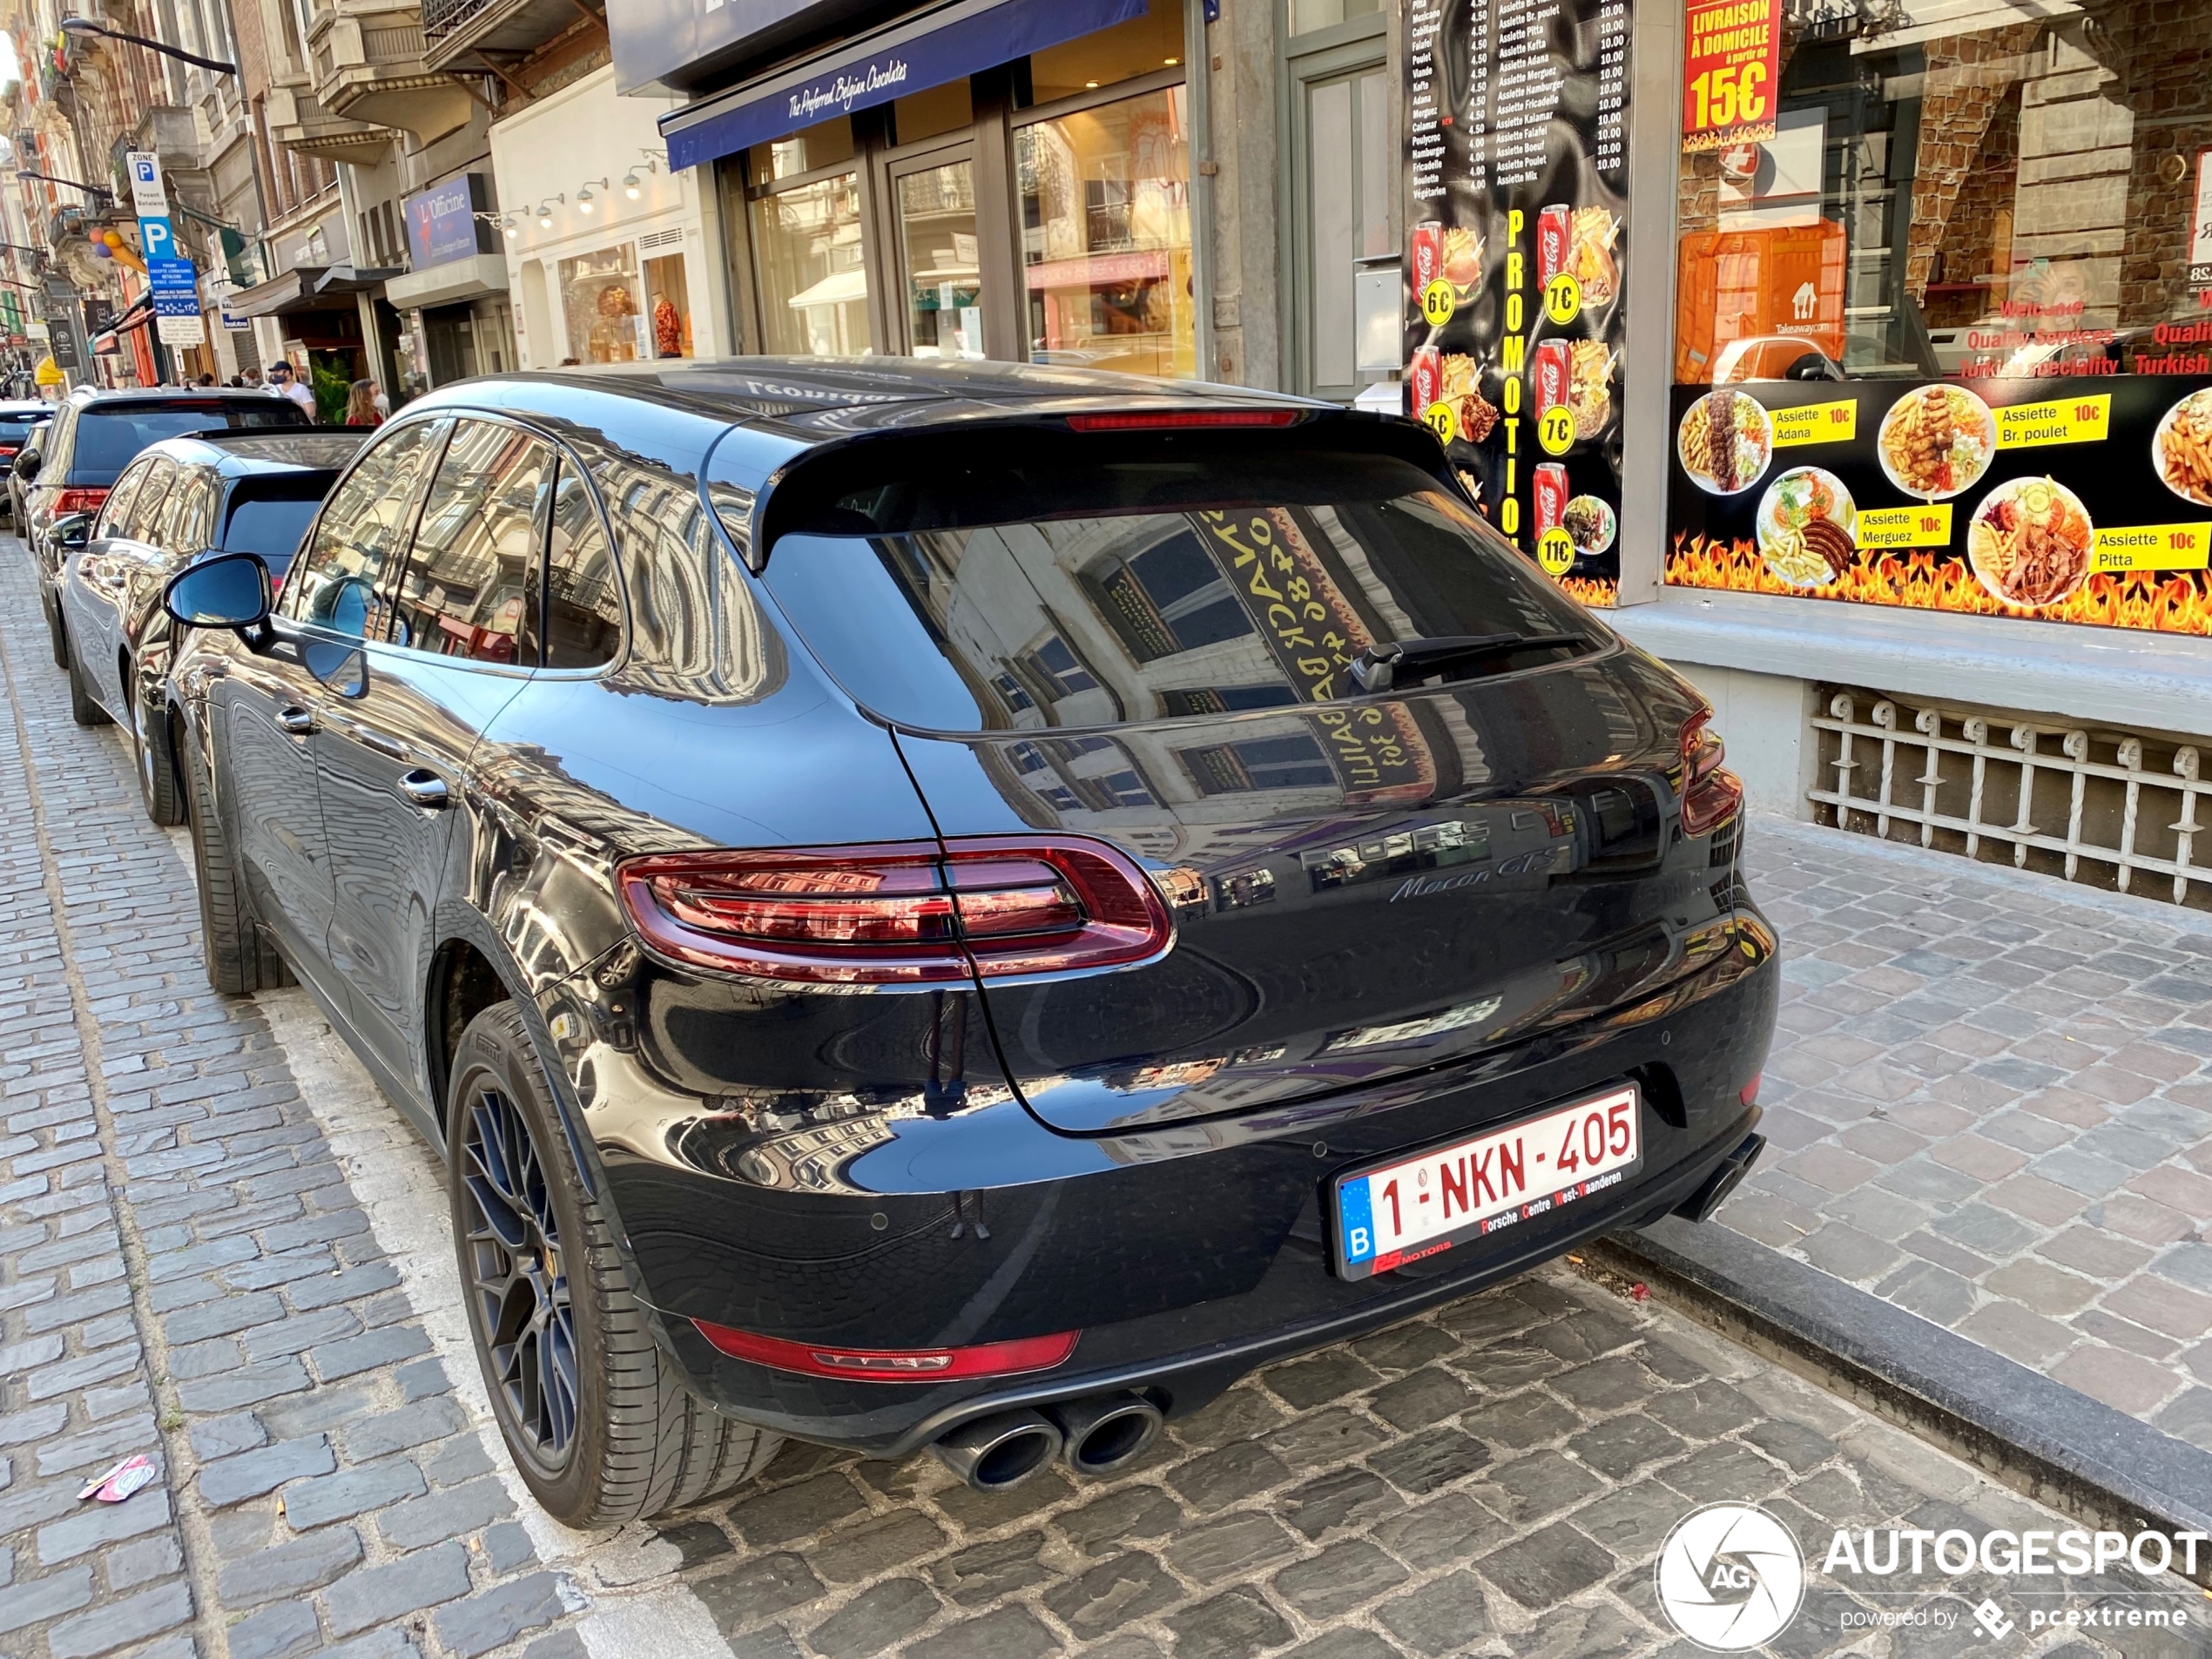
<point x="1416" y="1206"/>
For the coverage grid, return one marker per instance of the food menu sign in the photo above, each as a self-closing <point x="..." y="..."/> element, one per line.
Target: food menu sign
<point x="1516" y="158"/>
<point x="2083" y="501"/>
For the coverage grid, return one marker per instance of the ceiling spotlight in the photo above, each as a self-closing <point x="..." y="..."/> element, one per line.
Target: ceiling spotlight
<point x="630" y="184"/>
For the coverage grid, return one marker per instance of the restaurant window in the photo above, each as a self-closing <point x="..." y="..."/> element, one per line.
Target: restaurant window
<point x="602" y="307"/>
<point x="1105" y="236"/>
<point x="1944" y="317"/>
<point x="1123" y="52"/>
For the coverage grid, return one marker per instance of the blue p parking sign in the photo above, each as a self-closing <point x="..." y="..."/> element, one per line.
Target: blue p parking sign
<point x="156" y="239"/>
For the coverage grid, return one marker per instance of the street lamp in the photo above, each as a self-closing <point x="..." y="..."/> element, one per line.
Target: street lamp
<point x="74" y="184"/>
<point x="86" y="26"/>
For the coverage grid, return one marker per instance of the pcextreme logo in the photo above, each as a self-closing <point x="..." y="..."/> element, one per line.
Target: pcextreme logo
<point x="1730" y="1576"/>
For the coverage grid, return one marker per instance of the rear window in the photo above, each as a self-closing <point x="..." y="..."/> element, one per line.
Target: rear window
<point x="271" y="525"/>
<point x="1145" y="589"/>
<point x="14" y="429"/>
<point x="107" y="440"/>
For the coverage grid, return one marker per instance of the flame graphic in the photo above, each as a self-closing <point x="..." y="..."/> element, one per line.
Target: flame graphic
<point x="2172" y="602"/>
<point x="1598" y="592"/>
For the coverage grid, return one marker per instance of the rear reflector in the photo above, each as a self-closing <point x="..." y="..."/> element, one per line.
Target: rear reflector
<point x="1162" y="420"/>
<point x="899" y="912"/>
<point x="894" y="1365"/>
<point x="1750" y="1093"/>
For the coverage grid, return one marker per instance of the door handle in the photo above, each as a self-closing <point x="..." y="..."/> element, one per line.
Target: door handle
<point x="296" y="720"/>
<point x="425" y="788"/>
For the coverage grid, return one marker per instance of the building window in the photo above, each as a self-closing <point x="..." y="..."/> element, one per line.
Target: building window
<point x="1054" y="662"/>
<point x="1171" y="598"/>
<point x="1294" y="762"/>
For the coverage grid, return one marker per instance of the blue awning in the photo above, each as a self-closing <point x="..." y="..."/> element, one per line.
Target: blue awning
<point x="909" y="56"/>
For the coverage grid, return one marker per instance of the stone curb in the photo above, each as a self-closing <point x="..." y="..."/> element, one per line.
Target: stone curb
<point x="2061" y="1446"/>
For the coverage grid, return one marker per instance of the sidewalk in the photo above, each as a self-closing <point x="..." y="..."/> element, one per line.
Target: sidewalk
<point x="1989" y="1105"/>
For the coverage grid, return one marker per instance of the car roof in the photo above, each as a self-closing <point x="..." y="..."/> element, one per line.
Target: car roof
<point x="262" y="451"/>
<point x="818" y="399"/>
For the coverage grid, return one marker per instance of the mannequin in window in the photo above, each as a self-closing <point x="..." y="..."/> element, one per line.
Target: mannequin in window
<point x="668" y="327"/>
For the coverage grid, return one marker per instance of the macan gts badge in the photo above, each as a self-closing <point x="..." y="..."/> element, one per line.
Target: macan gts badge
<point x="961" y="906"/>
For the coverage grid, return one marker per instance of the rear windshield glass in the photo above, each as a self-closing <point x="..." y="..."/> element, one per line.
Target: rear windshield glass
<point x="270" y="527"/>
<point x="14" y="429"/>
<point x="107" y="440"/>
<point x="1113" y="604"/>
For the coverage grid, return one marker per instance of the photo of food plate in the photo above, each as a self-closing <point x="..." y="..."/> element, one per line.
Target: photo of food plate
<point x="1807" y="527"/>
<point x="2029" y="541"/>
<point x="1936" y="442"/>
<point x="1589" y="385"/>
<point x="1592" y="234"/>
<point x="1590" y="520"/>
<point x="1462" y="263"/>
<point x="1726" y="441"/>
<point x="2182" y="447"/>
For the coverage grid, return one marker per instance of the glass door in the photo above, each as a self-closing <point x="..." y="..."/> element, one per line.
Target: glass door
<point x="940" y="285"/>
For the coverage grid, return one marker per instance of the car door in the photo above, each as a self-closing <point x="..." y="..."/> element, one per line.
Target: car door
<point x="394" y="762"/>
<point x="266" y="710"/>
<point x="93" y="583"/>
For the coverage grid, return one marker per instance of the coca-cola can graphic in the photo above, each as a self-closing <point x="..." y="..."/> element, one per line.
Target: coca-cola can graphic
<point x="1551" y="488"/>
<point x="1428" y="253"/>
<point x="1551" y="244"/>
<point x="1427" y="377"/>
<point x="1548" y="374"/>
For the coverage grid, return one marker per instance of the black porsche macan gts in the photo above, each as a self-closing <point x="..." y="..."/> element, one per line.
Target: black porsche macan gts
<point x="962" y="907"/>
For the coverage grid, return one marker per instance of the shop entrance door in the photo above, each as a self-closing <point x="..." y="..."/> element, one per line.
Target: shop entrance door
<point x="945" y="285"/>
<point x="1336" y="189"/>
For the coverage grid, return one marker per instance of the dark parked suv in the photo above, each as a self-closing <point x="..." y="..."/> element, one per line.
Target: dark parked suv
<point x="963" y="907"/>
<point x="78" y="458"/>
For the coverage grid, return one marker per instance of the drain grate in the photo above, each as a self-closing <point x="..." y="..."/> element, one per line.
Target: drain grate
<point x="2118" y="810"/>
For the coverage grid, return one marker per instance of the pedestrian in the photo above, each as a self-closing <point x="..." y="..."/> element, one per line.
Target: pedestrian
<point x="251" y="380"/>
<point x="204" y="378"/>
<point x="361" y="405"/>
<point x="285" y="383"/>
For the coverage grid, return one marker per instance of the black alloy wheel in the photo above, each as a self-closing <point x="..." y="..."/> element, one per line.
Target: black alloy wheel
<point x="516" y="1280"/>
<point x="603" y="1426"/>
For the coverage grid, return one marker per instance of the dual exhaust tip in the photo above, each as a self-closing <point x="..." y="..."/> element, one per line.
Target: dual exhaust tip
<point x="1093" y="1437"/>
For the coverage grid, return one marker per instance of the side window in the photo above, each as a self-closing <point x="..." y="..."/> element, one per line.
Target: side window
<point x="115" y="512"/>
<point x="188" y="525"/>
<point x="482" y="536"/>
<point x="150" y="505"/>
<point x="363" y="533"/>
<point x="581" y="601"/>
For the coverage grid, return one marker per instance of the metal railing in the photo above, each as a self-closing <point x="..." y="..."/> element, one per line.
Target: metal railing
<point x="1985" y="784"/>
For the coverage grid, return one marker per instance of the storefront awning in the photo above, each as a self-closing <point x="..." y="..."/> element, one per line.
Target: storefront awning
<point x="307" y="287"/>
<point x="908" y="56"/>
<point x="839" y="288"/>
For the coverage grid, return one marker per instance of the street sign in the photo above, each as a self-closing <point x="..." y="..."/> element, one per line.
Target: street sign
<point x="169" y="304"/>
<point x="180" y="331"/>
<point x="156" y="239"/>
<point x="172" y="273"/>
<point x="148" y="195"/>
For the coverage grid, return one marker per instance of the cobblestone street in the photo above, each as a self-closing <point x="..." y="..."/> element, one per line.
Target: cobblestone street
<point x="221" y="1246"/>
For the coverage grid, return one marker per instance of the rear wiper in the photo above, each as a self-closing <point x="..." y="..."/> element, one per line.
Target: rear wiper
<point x="1395" y="662"/>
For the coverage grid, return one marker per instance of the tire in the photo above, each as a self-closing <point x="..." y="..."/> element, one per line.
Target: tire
<point x="616" y="1436"/>
<point x="159" y="789"/>
<point x="240" y="958"/>
<point x="82" y="709"/>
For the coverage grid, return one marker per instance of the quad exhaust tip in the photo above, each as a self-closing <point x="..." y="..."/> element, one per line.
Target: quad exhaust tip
<point x="1097" y="1436"/>
<point x="1700" y="1205"/>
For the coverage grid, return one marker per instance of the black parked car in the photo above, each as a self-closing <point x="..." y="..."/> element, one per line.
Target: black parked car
<point x="255" y="492"/>
<point x="93" y="437"/>
<point x="34" y="433"/>
<point x="965" y="907"/>
<point x="18" y="418"/>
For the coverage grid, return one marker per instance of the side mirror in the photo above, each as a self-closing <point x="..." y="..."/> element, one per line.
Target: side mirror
<point x="72" y="532"/>
<point x="230" y="590"/>
<point x="27" y="465"/>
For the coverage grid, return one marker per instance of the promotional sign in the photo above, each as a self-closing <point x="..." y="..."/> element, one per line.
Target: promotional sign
<point x="1731" y="70"/>
<point x="442" y="222"/>
<point x="149" y="196"/>
<point x="1516" y="165"/>
<point x="2201" y="228"/>
<point x="2030" y="498"/>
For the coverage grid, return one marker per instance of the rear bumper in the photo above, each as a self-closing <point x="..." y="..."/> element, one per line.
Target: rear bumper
<point x="1186" y="1257"/>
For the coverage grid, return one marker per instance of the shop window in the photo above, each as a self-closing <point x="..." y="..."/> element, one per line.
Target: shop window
<point x="668" y="300"/>
<point x="942" y="263"/>
<point x="821" y="146"/>
<point x="932" y="113"/>
<point x="813" y="275"/>
<point x="1293" y="762"/>
<point x="1106" y="236"/>
<point x="1305" y="16"/>
<point x="1944" y="317"/>
<point x="602" y="307"/>
<point x="1137" y="47"/>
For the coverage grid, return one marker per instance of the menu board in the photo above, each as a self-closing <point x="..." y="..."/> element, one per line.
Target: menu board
<point x="1516" y="173"/>
<point x="2084" y="501"/>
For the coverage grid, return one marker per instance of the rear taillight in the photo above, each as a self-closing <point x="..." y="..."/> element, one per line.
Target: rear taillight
<point x="1166" y="420"/>
<point x="905" y="912"/>
<point x="1710" y="793"/>
<point x="894" y="1365"/>
<point x="79" y="501"/>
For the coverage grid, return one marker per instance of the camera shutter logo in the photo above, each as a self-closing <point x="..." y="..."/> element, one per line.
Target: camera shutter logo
<point x="1730" y="1576"/>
